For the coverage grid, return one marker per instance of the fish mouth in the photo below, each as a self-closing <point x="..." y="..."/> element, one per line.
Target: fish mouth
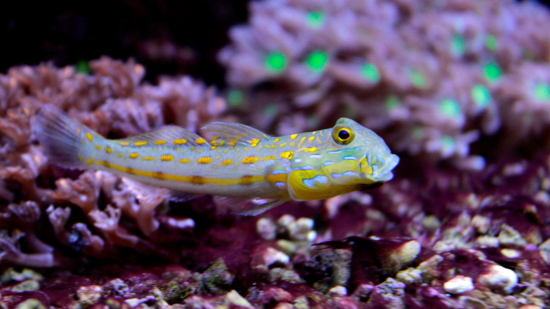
<point x="378" y="169"/>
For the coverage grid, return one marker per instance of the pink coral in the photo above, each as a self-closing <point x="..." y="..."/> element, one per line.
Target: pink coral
<point x="423" y="74"/>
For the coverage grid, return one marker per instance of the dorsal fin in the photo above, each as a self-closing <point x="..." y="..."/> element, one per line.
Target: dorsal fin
<point x="234" y="134"/>
<point x="168" y="136"/>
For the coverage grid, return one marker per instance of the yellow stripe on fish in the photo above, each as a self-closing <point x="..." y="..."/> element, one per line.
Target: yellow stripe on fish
<point x="239" y="162"/>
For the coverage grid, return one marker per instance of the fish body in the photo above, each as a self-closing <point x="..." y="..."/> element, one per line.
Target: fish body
<point x="239" y="162"/>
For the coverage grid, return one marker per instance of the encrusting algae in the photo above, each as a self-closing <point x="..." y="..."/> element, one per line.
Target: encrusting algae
<point x="240" y="162"/>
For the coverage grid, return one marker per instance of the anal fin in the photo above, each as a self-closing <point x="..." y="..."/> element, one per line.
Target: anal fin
<point x="259" y="209"/>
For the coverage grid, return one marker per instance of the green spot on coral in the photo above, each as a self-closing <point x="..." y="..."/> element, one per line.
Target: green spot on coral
<point x="271" y="110"/>
<point x="349" y="112"/>
<point x="313" y="121"/>
<point x="481" y="95"/>
<point x="316" y="19"/>
<point x="448" y="144"/>
<point x="458" y="45"/>
<point x="450" y="108"/>
<point x="235" y="97"/>
<point x="418" y="79"/>
<point x="417" y="133"/>
<point x="317" y="61"/>
<point x="392" y="102"/>
<point x="276" y="62"/>
<point x="83" y="67"/>
<point x="542" y="92"/>
<point x="371" y="73"/>
<point x="491" y="43"/>
<point x="492" y="72"/>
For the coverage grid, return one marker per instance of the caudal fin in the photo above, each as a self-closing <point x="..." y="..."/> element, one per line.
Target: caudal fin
<point x="60" y="136"/>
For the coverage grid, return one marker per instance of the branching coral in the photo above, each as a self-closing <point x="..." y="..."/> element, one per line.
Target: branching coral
<point x="92" y="212"/>
<point x="424" y="74"/>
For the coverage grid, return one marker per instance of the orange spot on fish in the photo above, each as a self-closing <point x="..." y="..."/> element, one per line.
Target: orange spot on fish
<point x="227" y="162"/>
<point x="277" y="178"/>
<point x="254" y="142"/>
<point x="108" y="149"/>
<point x="160" y="142"/>
<point x="287" y="154"/>
<point x="90" y="137"/>
<point x="90" y="160"/>
<point x="134" y="155"/>
<point x="247" y="180"/>
<point x="294" y="136"/>
<point x="184" y="161"/>
<point x="141" y="143"/>
<point x="158" y="175"/>
<point x="167" y="158"/>
<point x="204" y="160"/>
<point x="180" y="141"/>
<point x="200" y="141"/>
<point x="250" y="160"/>
<point x="197" y="180"/>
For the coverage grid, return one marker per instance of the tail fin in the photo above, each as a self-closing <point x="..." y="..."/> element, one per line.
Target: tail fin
<point x="60" y="136"/>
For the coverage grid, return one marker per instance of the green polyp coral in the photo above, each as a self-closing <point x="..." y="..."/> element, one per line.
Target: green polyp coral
<point x="491" y="42"/>
<point x="448" y="144"/>
<point x="418" y="79"/>
<point x="450" y="108"/>
<point x="235" y="97"/>
<point x="276" y="62"/>
<point x="492" y="72"/>
<point x="417" y="133"/>
<point x="271" y="110"/>
<point x="317" y="61"/>
<point x="542" y="92"/>
<point x="458" y="45"/>
<point x="371" y="72"/>
<point x="392" y="102"/>
<point x="316" y="19"/>
<point x="83" y="67"/>
<point x="481" y="95"/>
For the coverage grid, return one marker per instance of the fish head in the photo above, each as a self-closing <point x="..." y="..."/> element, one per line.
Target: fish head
<point x="375" y="160"/>
<point x="351" y="158"/>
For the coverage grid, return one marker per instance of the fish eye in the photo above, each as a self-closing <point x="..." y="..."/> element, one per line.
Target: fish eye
<point x="343" y="135"/>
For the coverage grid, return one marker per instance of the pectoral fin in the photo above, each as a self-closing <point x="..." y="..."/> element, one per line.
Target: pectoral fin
<point x="247" y="206"/>
<point x="259" y="209"/>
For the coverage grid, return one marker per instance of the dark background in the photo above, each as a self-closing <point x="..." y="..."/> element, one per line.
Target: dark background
<point x="167" y="36"/>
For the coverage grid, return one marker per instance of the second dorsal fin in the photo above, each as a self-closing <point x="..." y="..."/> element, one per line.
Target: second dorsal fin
<point x="168" y="136"/>
<point x="227" y="133"/>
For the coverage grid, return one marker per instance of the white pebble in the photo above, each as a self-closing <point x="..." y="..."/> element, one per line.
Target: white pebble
<point x="458" y="285"/>
<point x="266" y="228"/>
<point x="272" y="256"/>
<point x="338" y="291"/>
<point x="499" y="278"/>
